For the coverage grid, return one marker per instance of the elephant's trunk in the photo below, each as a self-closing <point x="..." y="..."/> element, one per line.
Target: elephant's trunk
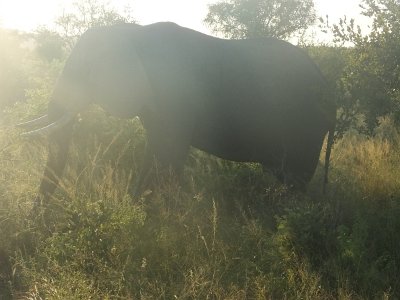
<point x="58" y="152"/>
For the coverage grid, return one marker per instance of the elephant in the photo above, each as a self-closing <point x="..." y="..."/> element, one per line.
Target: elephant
<point x="259" y="100"/>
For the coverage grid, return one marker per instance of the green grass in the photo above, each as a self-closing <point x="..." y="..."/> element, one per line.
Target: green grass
<point x="226" y="232"/>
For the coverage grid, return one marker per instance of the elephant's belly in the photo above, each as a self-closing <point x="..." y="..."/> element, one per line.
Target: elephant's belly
<point x="239" y="148"/>
<point x="239" y="135"/>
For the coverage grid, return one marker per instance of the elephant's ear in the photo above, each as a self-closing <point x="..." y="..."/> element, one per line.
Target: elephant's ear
<point x="120" y="83"/>
<point x="71" y="93"/>
<point x="143" y="87"/>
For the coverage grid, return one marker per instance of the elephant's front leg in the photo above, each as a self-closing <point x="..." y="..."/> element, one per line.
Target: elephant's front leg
<point x="165" y="155"/>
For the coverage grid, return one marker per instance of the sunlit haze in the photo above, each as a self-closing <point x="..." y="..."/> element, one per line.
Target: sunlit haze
<point x="27" y="15"/>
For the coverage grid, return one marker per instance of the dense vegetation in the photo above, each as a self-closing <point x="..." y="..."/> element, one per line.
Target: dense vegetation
<point x="227" y="231"/>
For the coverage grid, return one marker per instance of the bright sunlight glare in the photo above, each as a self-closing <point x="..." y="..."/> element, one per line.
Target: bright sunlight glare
<point x="27" y="15"/>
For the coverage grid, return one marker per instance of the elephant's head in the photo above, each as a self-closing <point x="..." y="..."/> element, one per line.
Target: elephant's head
<point x="102" y="69"/>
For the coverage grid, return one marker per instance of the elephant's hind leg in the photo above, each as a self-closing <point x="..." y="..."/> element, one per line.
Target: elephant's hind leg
<point x="300" y="164"/>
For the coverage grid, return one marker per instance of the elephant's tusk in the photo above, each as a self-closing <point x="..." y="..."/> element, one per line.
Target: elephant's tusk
<point x="65" y="119"/>
<point x="41" y="121"/>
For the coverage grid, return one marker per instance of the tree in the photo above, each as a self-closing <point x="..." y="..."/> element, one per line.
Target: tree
<point x="86" y="14"/>
<point x="49" y="44"/>
<point x="254" y="18"/>
<point x="371" y="81"/>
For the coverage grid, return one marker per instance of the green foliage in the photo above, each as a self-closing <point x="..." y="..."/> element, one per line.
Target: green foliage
<point x="29" y="70"/>
<point x="370" y="82"/>
<point x="13" y="76"/>
<point x="86" y="14"/>
<point x="334" y="63"/>
<point x="42" y="78"/>
<point x="256" y="18"/>
<point x="50" y="45"/>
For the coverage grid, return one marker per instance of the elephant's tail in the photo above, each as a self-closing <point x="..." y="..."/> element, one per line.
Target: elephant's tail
<point x="329" y="145"/>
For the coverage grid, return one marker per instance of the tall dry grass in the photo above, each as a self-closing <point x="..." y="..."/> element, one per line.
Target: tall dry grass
<point x="226" y="232"/>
